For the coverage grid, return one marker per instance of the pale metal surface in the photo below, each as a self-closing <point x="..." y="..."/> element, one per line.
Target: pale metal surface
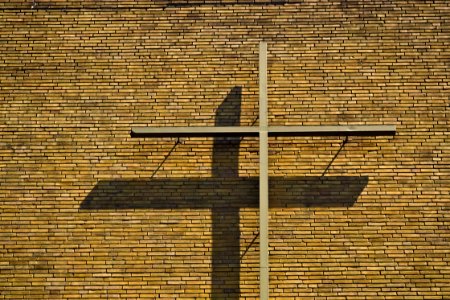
<point x="210" y="131"/>
<point x="263" y="177"/>
<point x="203" y="131"/>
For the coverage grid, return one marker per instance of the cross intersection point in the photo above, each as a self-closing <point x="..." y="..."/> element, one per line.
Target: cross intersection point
<point x="263" y="131"/>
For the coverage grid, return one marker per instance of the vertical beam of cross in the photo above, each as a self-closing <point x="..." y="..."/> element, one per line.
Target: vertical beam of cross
<point x="263" y="177"/>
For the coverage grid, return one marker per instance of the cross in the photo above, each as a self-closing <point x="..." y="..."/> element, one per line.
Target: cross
<point x="263" y="131"/>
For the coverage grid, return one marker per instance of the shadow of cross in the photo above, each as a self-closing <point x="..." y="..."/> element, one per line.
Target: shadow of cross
<point x="225" y="193"/>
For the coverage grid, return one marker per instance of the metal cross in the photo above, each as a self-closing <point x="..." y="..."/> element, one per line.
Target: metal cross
<point x="263" y="131"/>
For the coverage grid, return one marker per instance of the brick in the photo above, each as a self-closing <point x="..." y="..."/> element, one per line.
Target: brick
<point x="76" y="75"/>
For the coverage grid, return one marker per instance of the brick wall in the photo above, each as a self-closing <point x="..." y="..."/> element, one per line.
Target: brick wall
<point x="88" y="212"/>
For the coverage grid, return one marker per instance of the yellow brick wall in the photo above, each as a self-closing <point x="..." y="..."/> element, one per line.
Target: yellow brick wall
<point x="87" y="212"/>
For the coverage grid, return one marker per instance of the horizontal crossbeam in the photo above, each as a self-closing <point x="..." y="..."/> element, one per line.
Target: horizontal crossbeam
<point x="330" y="130"/>
<point x="200" y="131"/>
<point x="230" y="131"/>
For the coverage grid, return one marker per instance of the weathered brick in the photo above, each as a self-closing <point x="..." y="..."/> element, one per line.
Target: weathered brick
<point x="76" y="75"/>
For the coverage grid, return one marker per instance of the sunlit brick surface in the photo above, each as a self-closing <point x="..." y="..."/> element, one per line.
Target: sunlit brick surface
<point x="87" y="212"/>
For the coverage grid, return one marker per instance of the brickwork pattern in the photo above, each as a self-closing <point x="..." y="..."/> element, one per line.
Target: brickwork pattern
<point x="87" y="212"/>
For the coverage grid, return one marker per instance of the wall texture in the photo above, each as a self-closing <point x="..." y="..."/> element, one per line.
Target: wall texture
<point x="88" y="212"/>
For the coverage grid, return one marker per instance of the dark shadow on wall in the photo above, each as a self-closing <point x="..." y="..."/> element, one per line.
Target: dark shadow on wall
<point x="225" y="193"/>
<point x="225" y="274"/>
<point x="222" y="193"/>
